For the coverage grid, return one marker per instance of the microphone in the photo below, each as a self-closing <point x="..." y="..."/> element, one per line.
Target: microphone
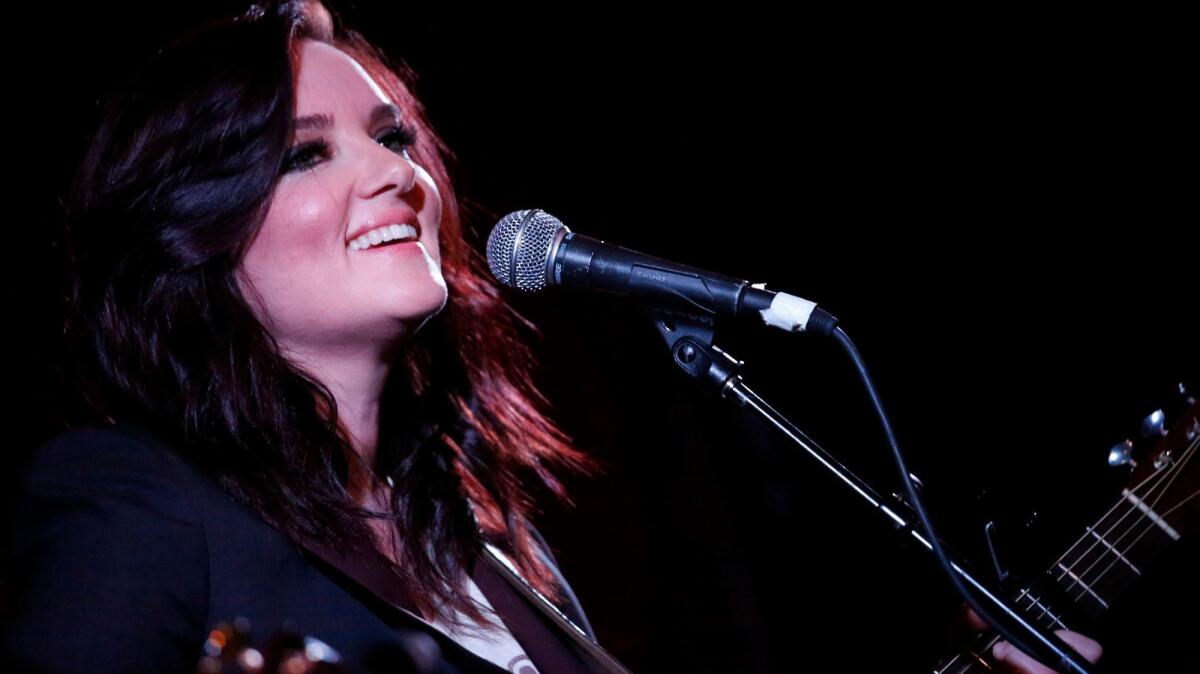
<point x="530" y="250"/>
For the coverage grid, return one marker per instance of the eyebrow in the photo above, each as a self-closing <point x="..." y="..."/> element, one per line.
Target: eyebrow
<point x="323" y="121"/>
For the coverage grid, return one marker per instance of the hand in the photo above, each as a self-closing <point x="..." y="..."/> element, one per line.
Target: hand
<point x="1014" y="660"/>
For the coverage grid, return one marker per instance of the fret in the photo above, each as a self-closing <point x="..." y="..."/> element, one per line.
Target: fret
<point x="1077" y="581"/>
<point x="977" y="661"/>
<point x="1109" y="538"/>
<point x="981" y="661"/>
<point x="972" y="660"/>
<point x="1109" y="577"/>
<point x="1114" y="551"/>
<point x="1106" y="566"/>
<point x="1044" y="614"/>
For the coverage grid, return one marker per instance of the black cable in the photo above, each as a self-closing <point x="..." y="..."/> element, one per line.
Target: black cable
<point x="934" y="543"/>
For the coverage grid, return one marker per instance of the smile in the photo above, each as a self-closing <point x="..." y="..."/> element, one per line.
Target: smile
<point x="383" y="235"/>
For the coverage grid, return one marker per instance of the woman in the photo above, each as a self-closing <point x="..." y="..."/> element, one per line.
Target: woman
<point x="304" y="402"/>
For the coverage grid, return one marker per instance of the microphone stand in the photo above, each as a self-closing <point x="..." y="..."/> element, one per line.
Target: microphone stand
<point x="689" y="336"/>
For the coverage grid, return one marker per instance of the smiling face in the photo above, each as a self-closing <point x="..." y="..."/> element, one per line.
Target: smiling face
<point x="315" y="272"/>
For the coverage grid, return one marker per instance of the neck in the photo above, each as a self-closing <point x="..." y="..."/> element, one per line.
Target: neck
<point x="356" y="379"/>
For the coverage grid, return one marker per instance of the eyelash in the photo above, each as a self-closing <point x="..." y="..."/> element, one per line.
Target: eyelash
<point x="403" y="134"/>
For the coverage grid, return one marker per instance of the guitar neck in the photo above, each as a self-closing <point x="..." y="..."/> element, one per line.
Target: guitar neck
<point x="1112" y="554"/>
<point x="1161" y="505"/>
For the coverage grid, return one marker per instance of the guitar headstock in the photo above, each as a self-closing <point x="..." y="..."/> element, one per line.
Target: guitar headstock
<point x="1162" y="462"/>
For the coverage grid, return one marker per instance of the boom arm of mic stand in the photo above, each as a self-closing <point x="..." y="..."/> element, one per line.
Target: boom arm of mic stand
<point x="690" y="340"/>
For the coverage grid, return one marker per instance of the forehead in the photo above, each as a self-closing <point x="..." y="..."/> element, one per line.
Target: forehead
<point x="329" y="79"/>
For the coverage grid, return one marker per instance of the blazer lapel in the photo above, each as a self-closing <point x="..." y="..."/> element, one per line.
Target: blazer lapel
<point x="369" y="570"/>
<point x="598" y="660"/>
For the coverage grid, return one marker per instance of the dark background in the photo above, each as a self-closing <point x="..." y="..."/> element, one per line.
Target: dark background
<point x="999" y="207"/>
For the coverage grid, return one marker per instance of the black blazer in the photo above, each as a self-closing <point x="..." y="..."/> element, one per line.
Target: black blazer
<point x="124" y="556"/>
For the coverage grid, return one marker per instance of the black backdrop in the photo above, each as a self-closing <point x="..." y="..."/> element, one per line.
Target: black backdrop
<point x="1000" y="208"/>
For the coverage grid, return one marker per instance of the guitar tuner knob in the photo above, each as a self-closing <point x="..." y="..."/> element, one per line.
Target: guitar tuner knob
<point x="1163" y="460"/>
<point x="1154" y="424"/>
<point x="1121" y="454"/>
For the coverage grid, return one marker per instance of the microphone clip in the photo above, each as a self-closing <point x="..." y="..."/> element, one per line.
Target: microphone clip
<point x="689" y="338"/>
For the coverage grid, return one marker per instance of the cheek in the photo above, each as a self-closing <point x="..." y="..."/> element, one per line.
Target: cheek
<point x="299" y="230"/>
<point x="434" y="197"/>
<point x="431" y="211"/>
<point x="296" y="251"/>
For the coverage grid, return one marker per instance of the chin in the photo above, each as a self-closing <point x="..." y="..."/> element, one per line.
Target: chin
<point x="432" y="303"/>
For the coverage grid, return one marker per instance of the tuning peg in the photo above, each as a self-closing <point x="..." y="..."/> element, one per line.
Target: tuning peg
<point x="1154" y="425"/>
<point x="1121" y="454"/>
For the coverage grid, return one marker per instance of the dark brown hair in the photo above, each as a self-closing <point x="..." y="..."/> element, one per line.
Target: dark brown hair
<point x="173" y="188"/>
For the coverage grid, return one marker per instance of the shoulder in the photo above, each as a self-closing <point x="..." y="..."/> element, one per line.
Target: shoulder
<point x="117" y="487"/>
<point x="101" y="443"/>
<point x="96" y="447"/>
<point x="124" y="459"/>
<point x="104" y="546"/>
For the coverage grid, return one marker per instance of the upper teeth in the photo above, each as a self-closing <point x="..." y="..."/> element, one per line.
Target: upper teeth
<point x="383" y="234"/>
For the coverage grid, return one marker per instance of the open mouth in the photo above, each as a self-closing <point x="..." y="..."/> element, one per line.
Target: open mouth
<point x="394" y="242"/>
<point x="381" y="237"/>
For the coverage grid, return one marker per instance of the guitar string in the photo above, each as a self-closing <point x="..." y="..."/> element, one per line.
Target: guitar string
<point x="1188" y="456"/>
<point x="1149" y="484"/>
<point x="1169" y="477"/>
<point x="1160" y="476"/>
<point x="1155" y="475"/>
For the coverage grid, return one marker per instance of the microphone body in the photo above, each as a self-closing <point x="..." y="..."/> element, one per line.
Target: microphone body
<point x="530" y="250"/>
<point x="584" y="262"/>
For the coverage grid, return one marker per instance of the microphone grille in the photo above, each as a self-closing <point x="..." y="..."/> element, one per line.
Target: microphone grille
<point x="519" y="249"/>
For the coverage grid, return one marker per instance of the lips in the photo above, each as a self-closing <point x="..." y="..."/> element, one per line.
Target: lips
<point x="394" y="216"/>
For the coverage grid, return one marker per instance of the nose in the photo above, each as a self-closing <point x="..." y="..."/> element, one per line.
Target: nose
<point x="384" y="171"/>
